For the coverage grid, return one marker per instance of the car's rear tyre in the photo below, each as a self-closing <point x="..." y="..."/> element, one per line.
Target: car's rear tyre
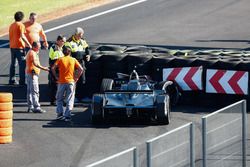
<point x="163" y="109"/>
<point x="97" y="109"/>
<point x="172" y="90"/>
<point x="106" y="84"/>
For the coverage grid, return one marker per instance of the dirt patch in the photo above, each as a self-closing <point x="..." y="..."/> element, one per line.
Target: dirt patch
<point x="61" y="12"/>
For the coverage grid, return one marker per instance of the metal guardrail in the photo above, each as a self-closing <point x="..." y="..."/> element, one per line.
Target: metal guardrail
<point x="174" y="148"/>
<point x="127" y="158"/>
<point x="224" y="143"/>
<point x="224" y="136"/>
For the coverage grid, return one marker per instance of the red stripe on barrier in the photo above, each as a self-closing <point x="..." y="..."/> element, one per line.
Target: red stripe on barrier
<point x="233" y="82"/>
<point x="188" y="78"/>
<point x="215" y="81"/>
<point x="173" y="74"/>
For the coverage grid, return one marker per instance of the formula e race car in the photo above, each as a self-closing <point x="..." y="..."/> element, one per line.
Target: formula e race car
<point x="132" y="96"/>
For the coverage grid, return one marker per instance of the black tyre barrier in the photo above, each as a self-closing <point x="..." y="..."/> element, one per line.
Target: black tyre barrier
<point x="136" y="49"/>
<point x="209" y="52"/>
<point x="231" y="54"/>
<point x="91" y="86"/>
<point x="208" y="99"/>
<point x="93" y="75"/>
<point x="93" y="46"/>
<point x="182" y="61"/>
<point x="94" y="52"/>
<point x="210" y="62"/>
<point x="95" y="56"/>
<point x="227" y="64"/>
<point x="227" y="56"/>
<point x="113" y="63"/>
<point x="93" y="67"/>
<point x="151" y="61"/>
<point x="244" y="65"/>
<point x="162" y="55"/>
<point x="191" y="97"/>
<point x="158" y="63"/>
<point x="208" y="56"/>
<point x="141" y="62"/>
<point x="200" y="62"/>
<point x="109" y="53"/>
<point x="180" y="53"/>
<point x="115" y="48"/>
<point x="159" y="50"/>
<point x="247" y="58"/>
<point x="108" y="57"/>
<point x="200" y="53"/>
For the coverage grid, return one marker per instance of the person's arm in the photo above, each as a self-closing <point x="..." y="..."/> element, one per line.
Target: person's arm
<point x="53" y="69"/>
<point x="79" y="70"/>
<point x="24" y="37"/>
<point x="87" y="57"/>
<point x="38" y="65"/>
<point x="45" y="42"/>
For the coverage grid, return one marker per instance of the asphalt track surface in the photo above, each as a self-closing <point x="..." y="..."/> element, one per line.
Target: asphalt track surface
<point x="39" y="141"/>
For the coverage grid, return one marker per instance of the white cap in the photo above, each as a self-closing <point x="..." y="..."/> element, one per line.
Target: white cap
<point x="79" y="30"/>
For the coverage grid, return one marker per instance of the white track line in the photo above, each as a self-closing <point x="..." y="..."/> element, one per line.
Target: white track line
<point x="87" y="18"/>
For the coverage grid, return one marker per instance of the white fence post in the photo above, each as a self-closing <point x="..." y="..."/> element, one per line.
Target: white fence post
<point x="204" y="141"/>
<point x="192" y="146"/>
<point x="135" y="154"/>
<point x="244" y="133"/>
<point x="149" y="149"/>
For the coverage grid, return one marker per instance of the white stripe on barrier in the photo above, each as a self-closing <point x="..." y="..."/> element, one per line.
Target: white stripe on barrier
<point x="209" y="86"/>
<point x="223" y="81"/>
<point x="180" y="77"/>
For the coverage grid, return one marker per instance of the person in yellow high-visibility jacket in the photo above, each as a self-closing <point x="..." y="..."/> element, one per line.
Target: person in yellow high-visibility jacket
<point x="55" y="52"/>
<point x="79" y="50"/>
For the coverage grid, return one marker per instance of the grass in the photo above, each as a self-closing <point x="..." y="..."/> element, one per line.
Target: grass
<point x="9" y="7"/>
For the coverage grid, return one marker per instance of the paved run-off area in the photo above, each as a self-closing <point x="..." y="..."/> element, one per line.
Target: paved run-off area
<point x="40" y="141"/>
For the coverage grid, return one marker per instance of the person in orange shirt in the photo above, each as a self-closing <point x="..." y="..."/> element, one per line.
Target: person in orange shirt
<point x="33" y="67"/>
<point x="17" y="48"/>
<point x="69" y="72"/>
<point x="34" y="31"/>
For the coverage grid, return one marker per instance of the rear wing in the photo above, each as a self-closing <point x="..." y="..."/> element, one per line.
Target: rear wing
<point x="129" y="91"/>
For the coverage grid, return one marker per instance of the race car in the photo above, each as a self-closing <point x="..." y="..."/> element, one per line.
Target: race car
<point x="132" y="96"/>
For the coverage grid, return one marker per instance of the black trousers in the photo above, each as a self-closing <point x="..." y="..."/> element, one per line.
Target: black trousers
<point x="52" y="83"/>
<point x="52" y="87"/>
<point x="79" y="93"/>
<point x="19" y="55"/>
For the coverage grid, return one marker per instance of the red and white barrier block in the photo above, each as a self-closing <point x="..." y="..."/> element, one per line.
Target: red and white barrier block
<point x="227" y="82"/>
<point x="188" y="78"/>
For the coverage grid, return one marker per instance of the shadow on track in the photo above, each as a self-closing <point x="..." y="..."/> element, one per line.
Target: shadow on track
<point x="19" y="92"/>
<point x="83" y="120"/>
